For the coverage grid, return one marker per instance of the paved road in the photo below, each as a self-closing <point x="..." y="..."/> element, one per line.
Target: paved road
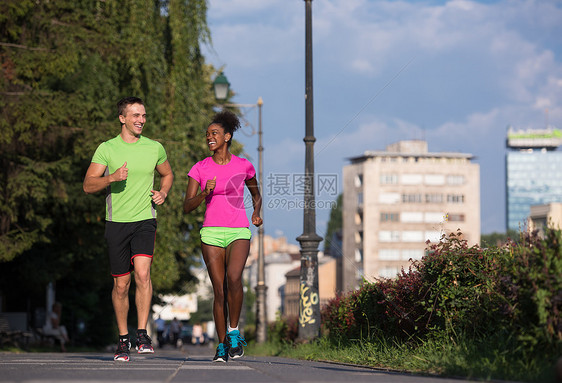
<point x="191" y="364"/>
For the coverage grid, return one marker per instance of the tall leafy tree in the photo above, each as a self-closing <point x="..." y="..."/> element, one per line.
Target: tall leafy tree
<point x="64" y="65"/>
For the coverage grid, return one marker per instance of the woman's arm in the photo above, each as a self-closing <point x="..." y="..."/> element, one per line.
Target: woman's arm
<point x="192" y="199"/>
<point x="252" y="185"/>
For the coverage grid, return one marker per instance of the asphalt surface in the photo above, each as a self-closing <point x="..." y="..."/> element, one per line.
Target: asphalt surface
<point x="189" y="364"/>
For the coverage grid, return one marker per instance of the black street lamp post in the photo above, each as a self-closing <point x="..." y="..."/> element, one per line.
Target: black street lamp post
<point x="309" y="302"/>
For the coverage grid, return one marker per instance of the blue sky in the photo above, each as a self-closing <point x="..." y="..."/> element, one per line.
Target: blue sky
<point x="455" y="73"/>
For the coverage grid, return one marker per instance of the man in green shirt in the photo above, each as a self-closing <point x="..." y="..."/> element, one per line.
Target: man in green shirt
<point x="124" y="166"/>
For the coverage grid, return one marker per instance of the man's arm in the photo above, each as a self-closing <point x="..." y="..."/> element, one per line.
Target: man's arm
<point x="166" y="181"/>
<point x="94" y="181"/>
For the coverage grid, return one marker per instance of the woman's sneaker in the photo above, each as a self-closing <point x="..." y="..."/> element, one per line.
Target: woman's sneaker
<point x="144" y="343"/>
<point x="122" y="352"/>
<point x="235" y="344"/>
<point x="221" y="354"/>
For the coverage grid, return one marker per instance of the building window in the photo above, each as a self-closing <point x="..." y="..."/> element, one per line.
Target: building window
<point x="455" y="198"/>
<point x="411" y="179"/>
<point x="411" y="217"/>
<point x="434" y="198"/>
<point x="389" y="254"/>
<point x="453" y="217"/>
<point x="360" y="199"/>
<point x="411" y="198"/>
<point x="359" y="255"/>
<point x="455" y="180"/>
<point x="413" y="254"/>
<point x="434" y="179"/>
<point x="358" y="180"/>
<point x="412" y="236"/>
<point x="390" y="217"/>
<point x="359" y="237"/>
<point x="433" y="236"/>
<point x="359" y="219"/>
<point x="434" y="217"/>
<point x="389" y="236"/>
<point x="389" y="198"/>
<point x="388" y="272"/>
<point x="389" y="179"/>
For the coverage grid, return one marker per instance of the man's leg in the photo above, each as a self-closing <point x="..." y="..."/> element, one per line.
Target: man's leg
<point x="143" y="292"/>
<point x="120" y="299"/>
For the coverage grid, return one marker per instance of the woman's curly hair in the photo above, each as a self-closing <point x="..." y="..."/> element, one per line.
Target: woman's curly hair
<point x="229" y="122"/>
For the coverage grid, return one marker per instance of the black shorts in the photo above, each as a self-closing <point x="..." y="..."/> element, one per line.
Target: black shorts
<point x="126" y="240"/>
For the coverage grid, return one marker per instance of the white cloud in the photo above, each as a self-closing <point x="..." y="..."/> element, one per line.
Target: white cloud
<point x="477" y="67"/>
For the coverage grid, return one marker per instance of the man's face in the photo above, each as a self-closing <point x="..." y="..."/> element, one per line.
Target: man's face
<point x="134" y="118"/>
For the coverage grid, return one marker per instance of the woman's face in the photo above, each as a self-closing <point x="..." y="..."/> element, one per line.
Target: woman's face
<point x="216" y="137"/>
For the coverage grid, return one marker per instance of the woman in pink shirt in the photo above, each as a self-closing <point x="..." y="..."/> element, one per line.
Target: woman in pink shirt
<point x="225" y="237"/>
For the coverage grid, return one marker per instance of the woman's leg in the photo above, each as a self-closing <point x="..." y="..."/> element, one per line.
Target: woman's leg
<point x="215" y="259"/>
<point x="236" y="256"/>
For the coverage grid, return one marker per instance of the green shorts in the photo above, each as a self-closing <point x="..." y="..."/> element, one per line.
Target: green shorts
<point x="223" y="236"/>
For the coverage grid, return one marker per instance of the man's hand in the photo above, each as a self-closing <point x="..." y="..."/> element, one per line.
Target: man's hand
<point x="158" y="197"/>
<point x="120" y="174"/>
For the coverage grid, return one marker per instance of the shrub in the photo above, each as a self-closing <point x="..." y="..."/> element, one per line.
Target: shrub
<point x="461" y="285"/>
<point x="515" y="290"/>
<point x="531" y="282"/>
<point x="283" y="330"/>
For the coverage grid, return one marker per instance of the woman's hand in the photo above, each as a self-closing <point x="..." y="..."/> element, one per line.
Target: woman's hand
<point x="210" y="186"/>
<point x="256" y="219"/>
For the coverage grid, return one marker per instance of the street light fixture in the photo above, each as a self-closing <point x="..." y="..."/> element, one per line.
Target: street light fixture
<point x="221" y="87"/>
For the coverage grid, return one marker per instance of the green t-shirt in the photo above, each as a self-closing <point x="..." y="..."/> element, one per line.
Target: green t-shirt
<point x="130" y="200"/>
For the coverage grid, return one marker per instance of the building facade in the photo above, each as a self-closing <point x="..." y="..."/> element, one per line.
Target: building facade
<point x="533" y="173"/>
<point x="545" y="216"/>
<point x="396" y="200"/>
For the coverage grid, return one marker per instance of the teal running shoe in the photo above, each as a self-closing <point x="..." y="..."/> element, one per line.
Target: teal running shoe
<point x="221" y="355"/>
<point x="235" y="344"/>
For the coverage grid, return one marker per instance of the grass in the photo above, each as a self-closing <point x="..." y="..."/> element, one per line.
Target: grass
<point x="494" y="359"/>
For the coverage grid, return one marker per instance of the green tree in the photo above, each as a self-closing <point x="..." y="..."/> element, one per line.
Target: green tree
<point x="64" y="65"/>
<point x="499" y="239"/>
<point x="335" y="225"/>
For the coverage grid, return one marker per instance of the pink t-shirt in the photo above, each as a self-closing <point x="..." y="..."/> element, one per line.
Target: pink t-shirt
<point x="225" y="204"/>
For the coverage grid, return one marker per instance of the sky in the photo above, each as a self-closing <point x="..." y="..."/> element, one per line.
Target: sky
<point x="454" y="73"/>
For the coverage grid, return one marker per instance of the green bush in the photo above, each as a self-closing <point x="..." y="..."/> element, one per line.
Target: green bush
<point x="514" y="290"/>
<point x="461" y="285"/>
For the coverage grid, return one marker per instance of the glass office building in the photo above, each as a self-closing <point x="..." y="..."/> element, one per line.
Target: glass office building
<point x="533" y="171"/>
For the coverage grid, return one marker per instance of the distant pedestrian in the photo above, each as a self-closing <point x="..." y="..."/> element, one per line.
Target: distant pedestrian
<point x="175" y="329"/>
<point x="53" y="326"/>
<point x="225" y="237"/>
<point x="197" y="334"/>
<point x="160" y="328"/>
<point x="124" y="167"/>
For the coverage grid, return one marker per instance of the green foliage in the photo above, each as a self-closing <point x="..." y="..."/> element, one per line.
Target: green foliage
<point x="335" y="224"/>
<point x="513" y="292"/>
<point x="64" y="66"/>
<point x="498" y="239"/>
<point x="283" y="330"/>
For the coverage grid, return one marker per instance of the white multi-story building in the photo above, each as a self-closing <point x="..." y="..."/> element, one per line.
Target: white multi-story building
<point x="396" y="200"/>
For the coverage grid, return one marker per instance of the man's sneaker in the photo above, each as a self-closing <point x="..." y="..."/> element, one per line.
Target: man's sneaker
<point x="235" y="344"/>
<point x="122" y="353"/>
<point x="221" y="355"/>
<point x="144" y="343"/>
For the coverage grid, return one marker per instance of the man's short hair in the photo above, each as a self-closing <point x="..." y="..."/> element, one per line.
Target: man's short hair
<point x="125" y="102"/>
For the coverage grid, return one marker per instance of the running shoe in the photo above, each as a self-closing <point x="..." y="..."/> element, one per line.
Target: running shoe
<point x="221" y="355"/>
<point x="235" y="344"/>
<point x="144" y="343"/>
<point x="122" y="353"/>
